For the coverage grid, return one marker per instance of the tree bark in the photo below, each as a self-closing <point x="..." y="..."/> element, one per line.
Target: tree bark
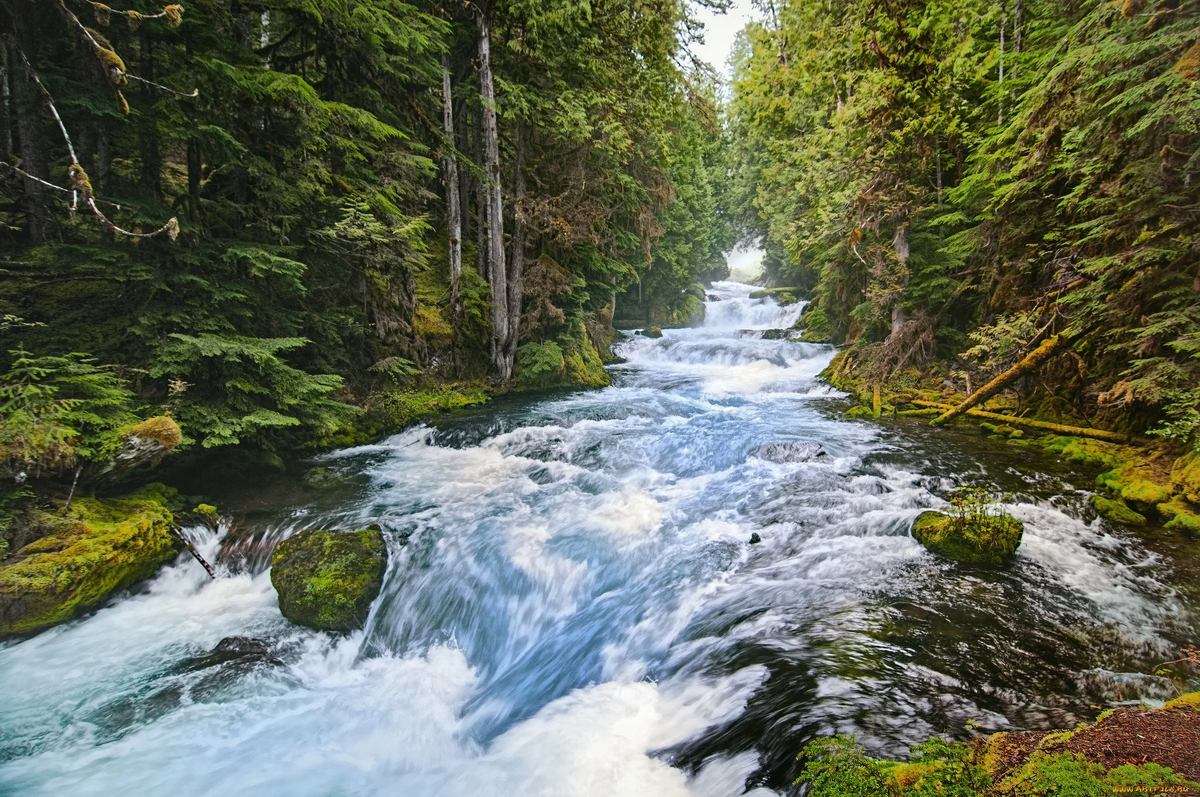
<point x="453" y="207"/>
<point x="1047" y="349"/>
<point x="516" y="272"/>
<point x="464" y="176"/>
<point x="28" y="107"/>
<point x="497" y="273"/>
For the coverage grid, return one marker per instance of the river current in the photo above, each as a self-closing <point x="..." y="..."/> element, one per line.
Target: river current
<point x="573" y="605"/>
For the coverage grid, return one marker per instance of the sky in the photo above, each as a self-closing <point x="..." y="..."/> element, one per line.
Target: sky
<point x="720" y="31"/>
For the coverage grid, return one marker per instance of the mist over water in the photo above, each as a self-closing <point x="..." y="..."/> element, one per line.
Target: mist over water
<point x="572" y="606"/>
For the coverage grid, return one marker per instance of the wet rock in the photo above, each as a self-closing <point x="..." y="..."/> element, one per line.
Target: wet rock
<point x="977" y="539"/>
<point x="145" y="443"/>
<point x="245" y="651"/>
<point x="789" y="452"/>
<point x="651" y="332"/>
<point x="99" y="547"/>
<point x="327" y="579"/>
<point x="712" y="297"/>
<point x="755" y="539"/>
<point x="321" y="478"/>
<point x="776" y="334"/>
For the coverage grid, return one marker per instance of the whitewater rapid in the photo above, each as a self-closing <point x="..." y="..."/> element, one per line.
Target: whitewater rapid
<point x="572" y="606"/>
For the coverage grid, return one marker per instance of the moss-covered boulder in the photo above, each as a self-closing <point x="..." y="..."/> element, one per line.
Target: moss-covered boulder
<point x="1116" y="510"/>
<point x="1180" y="515"/>
<point x="327" y="579"/>
<point x="977" y="539"/>
<point x="859" y="411"/>
<point x="84" y="555"/>
<point x="651" y="332"/>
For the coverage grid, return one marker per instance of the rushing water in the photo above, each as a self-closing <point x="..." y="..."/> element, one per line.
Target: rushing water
<point x="573" y="606"/>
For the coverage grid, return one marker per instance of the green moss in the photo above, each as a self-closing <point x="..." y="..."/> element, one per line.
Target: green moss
<point x="1179" y="515"/>
<point x="986" y="428"/>
<point x="1093" y="453"/>
<point x="978" y="539"/>
<point x="1144" y="492"/>
<point x="859" y="411"/>
<point x="1185" y="476"/>
<point x="161" y="430"/>
<point x="99" y="546"/>
<point x="1190" y="700"/>
<point x="1071" y="775"/>
<point x="652" y="332"/>
<point x="1116" y="511"/>
<point x="327" y="580"/>
<point x="816" y="326"/>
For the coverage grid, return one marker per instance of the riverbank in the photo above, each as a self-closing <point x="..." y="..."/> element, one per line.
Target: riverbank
<point x="1140" y="482"/>
<point x="1140" y="749"/>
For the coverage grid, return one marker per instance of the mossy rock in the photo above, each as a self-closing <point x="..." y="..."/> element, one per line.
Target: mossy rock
<point x="651" y="332"/>
<point x="1185" y="476"/>
<point x="981" y="540"/>
<point x="1116" y="510"/>
<point x="1180" y="515"/>
<point x="859" y="411"/>
<point x="1082" y="450"/>
<point x="94" y="549"/>
<point x="1016" y="434"/>
<point x="161" y="430"/>
<point x="986" y="429"/>
<point x="327" y="579"/>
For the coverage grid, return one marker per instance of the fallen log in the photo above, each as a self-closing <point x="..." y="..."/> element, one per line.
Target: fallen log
<point x="927" y="411"/>
<point x="1045" y="350"/>
<point x="1059" y="428"/>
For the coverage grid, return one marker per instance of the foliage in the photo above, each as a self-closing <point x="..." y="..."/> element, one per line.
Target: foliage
<point x="310" y="269"/>
<point x="539" y="361"/>
<point x="55" y="410"/>
<point x="920" y="175"/>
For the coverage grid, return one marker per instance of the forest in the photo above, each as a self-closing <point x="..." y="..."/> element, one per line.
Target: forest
<point x="958" y="182"/>
<point x="285" y="223"/>
<point x="380" y="411"/>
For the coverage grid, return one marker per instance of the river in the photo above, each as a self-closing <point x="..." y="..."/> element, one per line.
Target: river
<point x="573" y="605"/>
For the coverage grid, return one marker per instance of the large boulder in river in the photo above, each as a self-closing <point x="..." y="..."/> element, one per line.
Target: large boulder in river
<point x="978" y="539"/>
<point x="327" y="579"/>
<point x="82" y="556"/>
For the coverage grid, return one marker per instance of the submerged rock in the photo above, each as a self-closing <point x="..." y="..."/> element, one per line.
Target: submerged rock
<point x="327" y="579"/>
<point x="981" y="540"/>
<point x="98" y="547"/>
<point x="789" y="452"/>
<point x="240" y="650"/>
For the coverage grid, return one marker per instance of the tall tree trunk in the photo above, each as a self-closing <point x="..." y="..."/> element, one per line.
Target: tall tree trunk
<point x="497" y="270"/>
<point x="516" y="272"/>
<point x="901" y="248"/>
<point x="453" y="208"/>
<point x="464" y="177"/>
<point x="28" y="107"/>
<point x="480" y="202"/>
<point x="6" y="114"/>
